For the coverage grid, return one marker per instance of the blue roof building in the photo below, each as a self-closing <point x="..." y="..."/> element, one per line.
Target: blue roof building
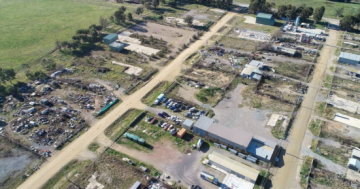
<point x="266" y="19"/>
<point x="110" y="38"/>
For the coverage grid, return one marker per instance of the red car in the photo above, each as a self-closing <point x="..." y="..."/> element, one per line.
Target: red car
<point x="166" y="126"/>
<point x="153" y="121"/>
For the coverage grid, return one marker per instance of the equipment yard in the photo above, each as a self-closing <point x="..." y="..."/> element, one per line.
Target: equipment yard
<point x="181" y="95"/>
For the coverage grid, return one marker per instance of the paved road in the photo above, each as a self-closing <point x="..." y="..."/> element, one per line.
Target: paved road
<point x="286" y="176"/>
<point x="70" y="152"/>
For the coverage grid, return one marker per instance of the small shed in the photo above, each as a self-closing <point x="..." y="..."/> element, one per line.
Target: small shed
<point x="266" y="19"/>
<point x="181" y="133"/>
<point x="188" y="124"/>
<point x="354" y="164"/>
<point x="110" y="38"/>
<point x="136" y="185"/>
<point x="117" y="46"/>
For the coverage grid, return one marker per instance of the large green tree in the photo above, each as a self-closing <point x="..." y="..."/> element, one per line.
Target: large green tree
<point x="318" y="14"/>
<point x="189" y="20"/>
<point x="348" y="22"/>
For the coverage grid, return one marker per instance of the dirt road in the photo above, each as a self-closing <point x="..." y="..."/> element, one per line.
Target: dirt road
<point x="286" y="176"/>
<point x="170" y="72"/>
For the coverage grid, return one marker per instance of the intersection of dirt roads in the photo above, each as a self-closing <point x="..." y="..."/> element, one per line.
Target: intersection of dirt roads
<point x="285" y="177"/>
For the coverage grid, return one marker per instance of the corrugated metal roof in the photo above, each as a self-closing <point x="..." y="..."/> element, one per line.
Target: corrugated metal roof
<point x="116" y="44"/>
<point x="232" y="134"/>
<point x="349" y="56"/>
<point x="188" y="122"/>
<point x="204" y="123"/>
<point x="264" y="15"/>
<point x="260" y="149"/>
<point x="355" y="152"/>
<point x="256" y="63"/>
<point x="354" y="162"/>
<point x="248" y="69"/>
<point x="111" y="36"/>
<point x="234" y="165"/>
<point x="136" y="185"/>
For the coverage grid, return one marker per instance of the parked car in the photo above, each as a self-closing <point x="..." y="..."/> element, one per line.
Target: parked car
<point x="161" y="115"/>
<point x="176" y="110"/>
<point x="160" y="123"/>
<point x="166" y="126"/>
<point x="166" y="114"/>
<point x="153" y="121"/>
<point x="149" y="119"/>
<point x="173" y="132"/>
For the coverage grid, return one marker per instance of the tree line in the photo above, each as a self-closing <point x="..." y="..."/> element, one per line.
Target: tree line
<point x="287" y="11"/>
<point x="350" y="21"/>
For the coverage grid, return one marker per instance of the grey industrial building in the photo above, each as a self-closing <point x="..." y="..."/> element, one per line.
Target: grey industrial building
<point x="234" y="167"/>
<point x="266" y="19"/>
<point x="188" y="124"/>
<point x="348" y="58"/>
<point x="235" y="138"/>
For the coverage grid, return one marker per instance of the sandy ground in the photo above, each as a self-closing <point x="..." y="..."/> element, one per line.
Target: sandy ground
<point x="184" y="167"/>
<point x="173" y="36"/>
<point x="250" y="20"/>
<point x="188" y="93"/>
<point x="170" y="72"/>
<point x="288" y="176"/>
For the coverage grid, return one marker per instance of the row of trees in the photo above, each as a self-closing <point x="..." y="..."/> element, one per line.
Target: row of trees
<point x="90" y="35"/>
<point x="224" y="4"/>
<point x="288" y="11"/>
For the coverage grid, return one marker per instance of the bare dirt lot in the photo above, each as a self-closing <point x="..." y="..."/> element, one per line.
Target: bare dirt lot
<point x="175" y="37"/>
<point x="253" y="120"/>
<point x="184" y="167"/>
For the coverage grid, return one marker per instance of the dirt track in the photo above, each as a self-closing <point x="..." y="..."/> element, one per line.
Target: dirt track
<point x="54" y="164"/>
<point x="286" y="176"/>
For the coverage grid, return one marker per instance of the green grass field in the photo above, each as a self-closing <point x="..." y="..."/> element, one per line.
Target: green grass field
<point x="329" y="6"/>
<point x="29" y="29"/>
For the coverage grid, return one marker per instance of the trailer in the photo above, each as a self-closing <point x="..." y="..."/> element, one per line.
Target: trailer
<point x="209" y="177"/>
<point x="134" y="138"/>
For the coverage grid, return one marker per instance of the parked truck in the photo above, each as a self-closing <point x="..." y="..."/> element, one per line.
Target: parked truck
<point x="209" y="177"/>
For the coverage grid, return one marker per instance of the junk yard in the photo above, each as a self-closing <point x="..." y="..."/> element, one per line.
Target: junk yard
<point x="186" y="95"/>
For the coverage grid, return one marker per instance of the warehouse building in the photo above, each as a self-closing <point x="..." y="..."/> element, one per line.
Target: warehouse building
<point x="234" y="167"/>
<point x="266" y="19"/>
<point x="231" y="136"/>
<point x="235" y="138"/>
<point x="348" y="58"/>
<point x="261" y="148"/>
<point x="110" y="38"/>
<point x="202" y="125"/>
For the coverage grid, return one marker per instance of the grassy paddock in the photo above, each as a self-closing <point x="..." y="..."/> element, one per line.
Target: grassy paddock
<point x="29" y="29"/>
